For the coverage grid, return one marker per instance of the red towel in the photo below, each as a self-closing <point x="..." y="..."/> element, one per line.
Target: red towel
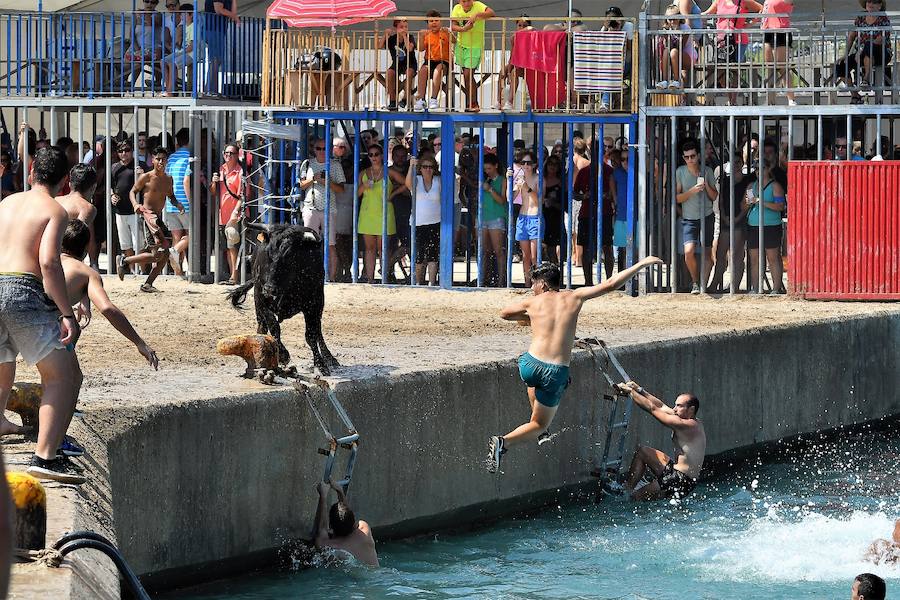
<point x="542" y="54"/>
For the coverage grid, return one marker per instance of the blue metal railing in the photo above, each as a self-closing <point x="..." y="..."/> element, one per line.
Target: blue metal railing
<point x="183" y="54"/>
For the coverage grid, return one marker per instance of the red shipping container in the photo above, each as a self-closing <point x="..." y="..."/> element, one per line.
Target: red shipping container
<point x="844" y="230"/>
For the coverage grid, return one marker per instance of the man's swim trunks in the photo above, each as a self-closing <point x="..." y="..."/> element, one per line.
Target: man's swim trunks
<point x="156" y="232"/>
<point x="29" y="320"/>
<point x="674" y="483"/>
<point x="549" y="381"/>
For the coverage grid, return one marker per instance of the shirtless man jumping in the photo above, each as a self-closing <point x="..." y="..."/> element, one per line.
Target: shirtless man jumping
<point x="347" y="533"/>
<point x="83" y="184"/>
<point x="553" y="316"/>
<point x="674" y="478"/>
<point x="36" y="320"/>
<point x="156" y="186"/>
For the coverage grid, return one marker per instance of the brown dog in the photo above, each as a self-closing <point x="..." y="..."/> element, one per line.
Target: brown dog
<point x="260" y="351"/>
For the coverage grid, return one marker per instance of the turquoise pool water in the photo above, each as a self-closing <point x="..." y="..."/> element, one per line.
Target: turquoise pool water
<point x="791" y="527"/>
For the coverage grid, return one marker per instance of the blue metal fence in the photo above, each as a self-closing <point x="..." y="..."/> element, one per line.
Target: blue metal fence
<point x="283" y="196"/>
<point x="97" y="55"/>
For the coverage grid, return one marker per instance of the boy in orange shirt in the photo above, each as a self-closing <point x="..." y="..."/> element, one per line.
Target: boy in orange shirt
<point x="436" y="42"/>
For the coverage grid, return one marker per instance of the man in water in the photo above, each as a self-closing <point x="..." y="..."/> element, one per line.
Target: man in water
<point x="867" y="586"/>
<point x="156" y="187"/>
<point x="346" y="533"/>
<point x="553" y="316"/>
<point x="674" y="478"/>
<point x="36" y="319"/>
<point x="886" y="551"/>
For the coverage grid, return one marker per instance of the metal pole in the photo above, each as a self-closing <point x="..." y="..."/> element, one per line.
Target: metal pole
<point x="53" y="136"/>
<point x="761" y="251"/>
<point x="385" y="179"/>
<point x="510" y="156"/>
<point x="215" y="203"/>
<point x="355" y="259"/>
<point x="701" y="275"/>
<point x="326" y="255"/>
<point x="414" y="152"/>
<point x="539" y="254"/>
<point x="629" y="236"/>
<point x="673" y="215"/>
<point x="733" y="283"/>
<point x="81" y="132"/>
<point x="448" y="190"/>
<point x="479" y="259"/>
<point x="194" y="233"/>
<point x="570" y="195"/>
<point x="110" y="259"/>
<point x="25" y="158"/>
<point x="598" y="250"/>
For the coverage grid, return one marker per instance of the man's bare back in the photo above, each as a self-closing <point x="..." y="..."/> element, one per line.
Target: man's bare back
<point x="360" y="544"/>
<point x="553" y="317"/>
<point x="77" y="207"/>
<point x="27" y="220"/>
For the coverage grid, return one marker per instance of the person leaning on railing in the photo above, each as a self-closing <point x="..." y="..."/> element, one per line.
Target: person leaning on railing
<point x="731" y="38"/>
<point x="402" y="48"/>
<point x="468" y="22"/>
<point x="676" y="51"/>
<point x="873" y="49"/>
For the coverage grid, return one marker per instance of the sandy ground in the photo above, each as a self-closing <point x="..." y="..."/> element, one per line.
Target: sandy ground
<point x="382" y="330"/>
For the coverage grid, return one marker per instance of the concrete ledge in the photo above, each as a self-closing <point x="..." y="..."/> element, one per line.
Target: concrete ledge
<point x="225" y="481"/>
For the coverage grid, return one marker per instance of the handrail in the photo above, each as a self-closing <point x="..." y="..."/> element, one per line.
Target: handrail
<point x="101" y="54"/>
<point x="364" y="75"/>
<point x="94" y="541"/>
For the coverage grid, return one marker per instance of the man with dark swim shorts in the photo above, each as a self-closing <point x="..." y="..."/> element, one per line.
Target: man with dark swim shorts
<point x="553" y="316"/>
<point x="674" y="478"/>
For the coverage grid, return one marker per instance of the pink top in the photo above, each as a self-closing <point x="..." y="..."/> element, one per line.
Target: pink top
<point x="726" y="11"/>
<point x="777" y="6"/>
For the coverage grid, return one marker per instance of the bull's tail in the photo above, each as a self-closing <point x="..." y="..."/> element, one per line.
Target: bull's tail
<point x="239" y="294"/>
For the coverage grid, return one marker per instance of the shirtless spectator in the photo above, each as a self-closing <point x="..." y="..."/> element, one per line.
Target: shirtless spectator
<point x="346" y="533"/>
<point x="36" y="319"/>
<point x="85" y="287"/>
<point x="122" y="176"/>
<point x="156" y="187"/>
<point x="674" y="478"/>
<point x="82" y="185"/>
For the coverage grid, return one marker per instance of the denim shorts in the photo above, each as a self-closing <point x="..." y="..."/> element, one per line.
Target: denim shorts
<point x="29" y="320"/>
<point x="690" y="229"/>
<point x="494" y="224"/>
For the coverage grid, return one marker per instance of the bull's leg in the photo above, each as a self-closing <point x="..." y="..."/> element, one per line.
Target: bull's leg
<point x="284" y="356"/>
<point x="313" y="337"/>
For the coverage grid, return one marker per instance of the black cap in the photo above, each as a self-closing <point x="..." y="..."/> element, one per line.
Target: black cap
<point x="614" y="11"/>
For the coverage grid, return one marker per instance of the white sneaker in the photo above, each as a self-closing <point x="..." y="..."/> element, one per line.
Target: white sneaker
<point x="842" y="85"/>
<point x="674" y="85"/>
<point x="433" y="104"/>
<point x="507" y="105"/>
<point x="661" y="85"/>
<point x="792" y="103"/>
<point x="602" y="107"/>
<point x="419" y="106"/>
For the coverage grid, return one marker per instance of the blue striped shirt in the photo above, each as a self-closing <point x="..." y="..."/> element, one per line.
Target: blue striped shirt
<point x="179" y="167"/>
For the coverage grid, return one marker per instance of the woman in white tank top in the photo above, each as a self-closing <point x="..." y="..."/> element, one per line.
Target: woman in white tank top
<point x="426" y="217"/>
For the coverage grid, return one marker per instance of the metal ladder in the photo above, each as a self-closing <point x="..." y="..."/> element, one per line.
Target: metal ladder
<point x="619" y="416"/>
<point x="349" y="442"/>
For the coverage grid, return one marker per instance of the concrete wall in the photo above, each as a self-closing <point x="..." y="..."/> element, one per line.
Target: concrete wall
<point x="223" y="481"/>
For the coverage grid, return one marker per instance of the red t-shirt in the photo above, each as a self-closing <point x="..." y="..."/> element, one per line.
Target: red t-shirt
<point x="584" y="184"/>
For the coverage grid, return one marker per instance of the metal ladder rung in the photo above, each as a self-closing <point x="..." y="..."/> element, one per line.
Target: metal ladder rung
<point x="619" y="425"/>
<point x="612" y="463"/>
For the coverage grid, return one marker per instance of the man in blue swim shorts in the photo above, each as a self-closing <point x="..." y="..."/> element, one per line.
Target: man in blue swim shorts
<point x="553" y="316"/>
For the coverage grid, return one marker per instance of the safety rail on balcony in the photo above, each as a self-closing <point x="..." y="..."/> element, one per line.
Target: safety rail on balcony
<point x="587" y="65"/>
<point x="833" y="60"/>
<point x="143" y="53"/>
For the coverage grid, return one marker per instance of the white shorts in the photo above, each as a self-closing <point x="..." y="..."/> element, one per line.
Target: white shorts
<point x="127" y="226"/>
<point x="315" y="220"/>
<point x="177" y="221"/>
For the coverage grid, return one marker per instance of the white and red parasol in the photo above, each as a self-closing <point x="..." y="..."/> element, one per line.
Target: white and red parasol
<point x="328" y="13"/>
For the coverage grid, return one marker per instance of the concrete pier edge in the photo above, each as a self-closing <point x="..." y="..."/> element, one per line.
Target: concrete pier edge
<point x="199" y="490"/>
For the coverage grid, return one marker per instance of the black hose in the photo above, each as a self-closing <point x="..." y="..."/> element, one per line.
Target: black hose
<point x="88" y="539"/>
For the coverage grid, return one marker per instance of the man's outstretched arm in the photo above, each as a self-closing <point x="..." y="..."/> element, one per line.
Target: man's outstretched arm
<point x="117" y="318"/>
<point x="616" y="281"/>
<point x="518" y="311"/>
<point x="653" y="405"/>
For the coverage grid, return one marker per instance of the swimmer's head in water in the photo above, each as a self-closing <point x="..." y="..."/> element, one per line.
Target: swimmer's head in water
<point x="547" y="273"/>
<point x="341" y="519"/>
<point x="687" y="406"/>
<point x="869" y="587"/>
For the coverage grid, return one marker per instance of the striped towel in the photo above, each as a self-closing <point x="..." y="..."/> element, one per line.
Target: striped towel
<point x="599" y="60"/>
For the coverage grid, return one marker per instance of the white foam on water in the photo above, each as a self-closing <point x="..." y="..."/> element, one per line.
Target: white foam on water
<point x="811" y="547"/>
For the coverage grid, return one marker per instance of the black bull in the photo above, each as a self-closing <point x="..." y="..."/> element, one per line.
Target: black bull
<point x="289" y="278"/>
